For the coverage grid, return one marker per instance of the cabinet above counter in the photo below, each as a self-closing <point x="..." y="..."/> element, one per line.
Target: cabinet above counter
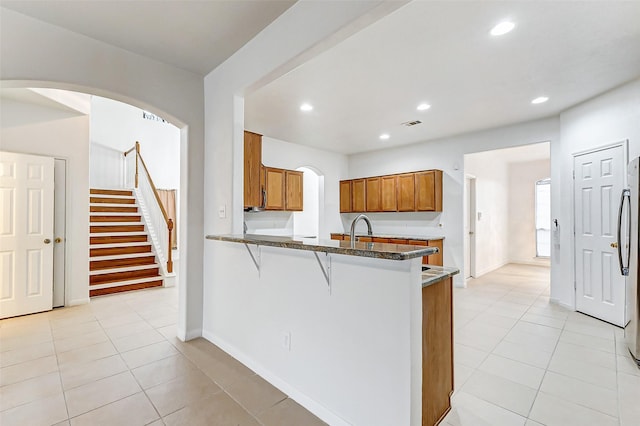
<point x="269" y="188"/>
<point x="406" y="192"/>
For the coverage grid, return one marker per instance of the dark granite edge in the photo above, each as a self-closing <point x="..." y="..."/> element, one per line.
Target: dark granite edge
<point x="437" y="273"/>
<point x="384" y="250"/>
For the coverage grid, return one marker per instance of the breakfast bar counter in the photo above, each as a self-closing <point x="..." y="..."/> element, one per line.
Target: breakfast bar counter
<point x="358" y="333"/>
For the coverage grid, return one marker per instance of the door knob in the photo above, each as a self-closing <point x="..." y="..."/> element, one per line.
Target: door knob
<point x="47" y="241"/>
<point x="614" y="245"/>
<point x="57" y="240"/>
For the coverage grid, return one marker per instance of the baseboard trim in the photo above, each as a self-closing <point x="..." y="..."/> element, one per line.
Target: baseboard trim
<point x="564" y="305"/>
<point x="185" y="335"/>
<point x="77" y="302"/>
<point x="490" y="268"/>
<point x="301" y="398"/>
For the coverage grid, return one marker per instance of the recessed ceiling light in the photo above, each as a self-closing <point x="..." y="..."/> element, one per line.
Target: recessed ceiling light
<point x="423" y="107"/>
<point x="540" y="100"/>
<point x="384" y="136"/>
<point x="502" y="28"/>
<point x="306" y="107"/>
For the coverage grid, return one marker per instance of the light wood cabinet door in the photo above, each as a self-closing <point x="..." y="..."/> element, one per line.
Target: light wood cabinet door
<point x="372" y="191"/>
<point x="358" y="195"/>
<point x="436" y="259"/>
<point x="380" y="240"/>
<point x="337" y="237"/>
<point x="429" y="191"/>
<point x="437" y="350"/>
<point x="252" y="164"/>
<point x="274" y="185"/>
<point x="345" y="196"/>
<point x="294" y="190"/>
<point x="406" y="192"/>
<point x="388" y="191"/>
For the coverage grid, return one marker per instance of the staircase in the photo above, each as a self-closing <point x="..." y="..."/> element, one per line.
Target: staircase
<point x="120" y="253"/>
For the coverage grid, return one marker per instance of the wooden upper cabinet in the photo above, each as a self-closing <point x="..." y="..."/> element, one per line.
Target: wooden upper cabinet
<point x="429" y="191"/>
<point x="345" y="196"/>
<point x="372" y="192"/>
<point x="407" y="192"/>
<point x="388" y="197"/>
<point x="274" y="185"/>
<point x="252" y="164"/>
<point x="294" y="190"/>
<point x="358" y="195"/>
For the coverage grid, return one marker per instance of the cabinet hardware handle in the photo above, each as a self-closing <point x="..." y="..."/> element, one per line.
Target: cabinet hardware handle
<point x="47" y="241"/>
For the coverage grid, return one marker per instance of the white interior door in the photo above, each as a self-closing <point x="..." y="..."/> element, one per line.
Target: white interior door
<point x="599" y="179"/>
<point x="26" y="234"/>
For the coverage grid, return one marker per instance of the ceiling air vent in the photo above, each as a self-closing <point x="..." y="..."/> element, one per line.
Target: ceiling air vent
<point x="412" y="123"/>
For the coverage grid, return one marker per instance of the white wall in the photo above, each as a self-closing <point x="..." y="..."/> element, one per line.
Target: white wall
<point x="448" y="155"/>
<point x="612" y="117"/>
<point x="37" y="54"/>
<point x="106" y="168"/>
<point x="355" y="350"/>
<point x="492" y="205"/>
<point x="34" y="129"/>
<point x="522" y="218"/>
<point x="118" y="125"/>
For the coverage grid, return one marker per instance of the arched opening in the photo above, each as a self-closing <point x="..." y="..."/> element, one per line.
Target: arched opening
<point x="307" y="223"/>
<point x="79" y="294"/>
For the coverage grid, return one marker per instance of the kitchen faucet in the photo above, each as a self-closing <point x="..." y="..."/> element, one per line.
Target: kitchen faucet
<point x="353" y="226"/>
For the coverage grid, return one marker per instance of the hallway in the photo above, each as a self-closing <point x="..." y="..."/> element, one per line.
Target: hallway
<point x="522" y="360"/>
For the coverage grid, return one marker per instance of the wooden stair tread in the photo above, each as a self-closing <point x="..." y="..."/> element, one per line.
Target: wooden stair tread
<point x="97" y="265"/>
<point x="126" y="287"/>
<point x="115" y="218"/>
<point x="110" y="251"/>
<point x="98" y="191"/>
<point x="109" y="200"/>
<point x="123" y="276"/>
<point x="112" y="239"/>
<point x="115" y="228"/>
<point x="118" y="209"/>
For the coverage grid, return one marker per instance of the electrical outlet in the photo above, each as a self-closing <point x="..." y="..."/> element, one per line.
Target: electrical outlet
<point x="286" y="340"/>
<point x="222" y="211"/>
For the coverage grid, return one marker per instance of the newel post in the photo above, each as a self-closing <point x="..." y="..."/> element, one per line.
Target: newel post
<point x="169" y="249"/>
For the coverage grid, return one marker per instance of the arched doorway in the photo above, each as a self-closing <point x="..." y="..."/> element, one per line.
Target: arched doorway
<point x="81" y="296"/>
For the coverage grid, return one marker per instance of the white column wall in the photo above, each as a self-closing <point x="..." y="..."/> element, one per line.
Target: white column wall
<point x="38" y="54"/>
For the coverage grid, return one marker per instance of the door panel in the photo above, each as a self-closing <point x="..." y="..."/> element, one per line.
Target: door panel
<point x="599" y="179"/>
<point x="26" y="234"/>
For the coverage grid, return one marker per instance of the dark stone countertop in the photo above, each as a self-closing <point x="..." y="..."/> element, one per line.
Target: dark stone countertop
<point x="373" y="250"/>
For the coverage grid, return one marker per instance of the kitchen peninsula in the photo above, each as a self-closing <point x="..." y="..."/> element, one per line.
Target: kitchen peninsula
<point x="356" y="332"/>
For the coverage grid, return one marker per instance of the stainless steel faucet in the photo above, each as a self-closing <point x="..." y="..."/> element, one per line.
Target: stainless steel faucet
<point x="364" y="217"/>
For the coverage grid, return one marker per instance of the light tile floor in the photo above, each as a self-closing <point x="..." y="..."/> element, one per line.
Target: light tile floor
<point x="519" y="360"/>
<point x="116" y="361"/>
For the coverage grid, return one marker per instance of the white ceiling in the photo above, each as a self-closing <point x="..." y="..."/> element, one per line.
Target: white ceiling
<point x="441" y="53"/>
<point x="192" y="35"/>
<point x="427" y="51"/>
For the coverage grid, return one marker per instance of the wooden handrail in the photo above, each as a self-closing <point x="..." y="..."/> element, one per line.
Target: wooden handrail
<point x="167" y="219"/>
